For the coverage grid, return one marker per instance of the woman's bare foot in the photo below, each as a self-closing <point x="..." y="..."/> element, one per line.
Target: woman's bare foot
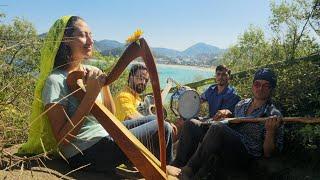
<point x="173" y="171"/>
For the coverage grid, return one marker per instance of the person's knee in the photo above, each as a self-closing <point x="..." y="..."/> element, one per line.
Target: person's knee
<point x="191" y="124"/>
<point x="189" y="127"/>
<point x="217" y="128"/>
<point x="150" y="117"/>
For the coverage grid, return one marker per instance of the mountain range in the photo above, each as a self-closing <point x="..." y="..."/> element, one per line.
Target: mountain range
<point x="199" y="50"/>
<point x="112" y="47"/>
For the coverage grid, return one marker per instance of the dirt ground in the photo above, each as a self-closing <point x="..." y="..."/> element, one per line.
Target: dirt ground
<point x="57" y="169"/>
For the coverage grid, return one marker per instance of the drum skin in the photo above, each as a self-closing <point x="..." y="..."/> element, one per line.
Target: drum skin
<point x="185" y="102"/>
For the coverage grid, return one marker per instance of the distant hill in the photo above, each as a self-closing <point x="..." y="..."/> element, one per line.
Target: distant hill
<point x="107" y="45"/>
<point x="166" y="52"/>
<point x="111" y="47"/>
<point x="200" y="49"/>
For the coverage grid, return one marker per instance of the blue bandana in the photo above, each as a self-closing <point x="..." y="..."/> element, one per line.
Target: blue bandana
<point x="266" y="74"/>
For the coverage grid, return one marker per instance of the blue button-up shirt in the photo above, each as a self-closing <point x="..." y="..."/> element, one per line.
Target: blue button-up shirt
<point x="227" y="99"/>
<point x="252" y="134"/>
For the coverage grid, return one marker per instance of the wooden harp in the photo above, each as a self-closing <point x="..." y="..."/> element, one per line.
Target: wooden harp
<point x="148" y="165"/>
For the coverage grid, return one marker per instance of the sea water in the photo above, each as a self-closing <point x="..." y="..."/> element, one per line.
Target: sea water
<point x="182" y="74"/>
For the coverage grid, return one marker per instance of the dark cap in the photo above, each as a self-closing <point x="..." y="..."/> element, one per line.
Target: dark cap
<point x="266" y="74"/>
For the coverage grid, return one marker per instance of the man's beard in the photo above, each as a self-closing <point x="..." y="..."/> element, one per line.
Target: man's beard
<point x="138" y="88"/>
<point x="222" y="83"/>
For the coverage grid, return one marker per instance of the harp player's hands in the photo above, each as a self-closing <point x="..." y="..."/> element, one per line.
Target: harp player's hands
<point x="95" y="80"/>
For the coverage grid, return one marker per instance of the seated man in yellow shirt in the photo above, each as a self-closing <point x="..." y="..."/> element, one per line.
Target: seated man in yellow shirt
<point x="129" y="99"/>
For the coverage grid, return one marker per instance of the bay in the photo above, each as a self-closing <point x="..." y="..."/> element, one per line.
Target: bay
<point x="182" y="74"/>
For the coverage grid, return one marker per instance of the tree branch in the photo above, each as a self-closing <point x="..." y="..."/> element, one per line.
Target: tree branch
<point x="295" y="43"/>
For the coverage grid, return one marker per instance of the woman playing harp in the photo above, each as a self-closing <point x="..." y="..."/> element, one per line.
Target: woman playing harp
<point x="81" y="138"/>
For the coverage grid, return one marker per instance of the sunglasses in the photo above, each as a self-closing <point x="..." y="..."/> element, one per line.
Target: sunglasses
<point x="258" y="84"/>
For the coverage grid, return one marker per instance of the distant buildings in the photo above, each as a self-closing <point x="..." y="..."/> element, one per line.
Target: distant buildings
<point x="190" y="61"/>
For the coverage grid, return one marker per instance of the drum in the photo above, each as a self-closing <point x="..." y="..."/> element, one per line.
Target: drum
<point x="185" y="102"/>
<point x="147" y="107"/>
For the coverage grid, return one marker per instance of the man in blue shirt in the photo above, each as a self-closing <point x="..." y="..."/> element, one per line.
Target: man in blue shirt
<point x="234" y="145"/>
<point x="221" y="96"/>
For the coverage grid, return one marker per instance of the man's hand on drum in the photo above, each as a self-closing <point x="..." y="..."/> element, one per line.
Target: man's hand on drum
<point x="221" y="114"/>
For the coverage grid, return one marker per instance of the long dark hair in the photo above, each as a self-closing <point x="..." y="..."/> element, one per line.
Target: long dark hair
<point x="63" y="55"/>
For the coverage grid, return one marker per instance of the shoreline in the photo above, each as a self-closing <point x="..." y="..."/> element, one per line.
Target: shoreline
<point x="207" y="69"/>
<point x="181" y="66"/>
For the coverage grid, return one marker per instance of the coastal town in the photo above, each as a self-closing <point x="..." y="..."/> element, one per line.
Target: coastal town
<point x="204" y="61"/>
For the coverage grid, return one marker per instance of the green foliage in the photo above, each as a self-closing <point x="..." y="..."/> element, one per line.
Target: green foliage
<point x="315" y="19"/>
<point x="19" y="44"/>
<point x="16" y="96"/>
<point x="308" y="135"/>
<point x="251" y="50"/>
<point x="291" y="24"/>
<point x="19" y="55"/>
<point x="298" y="89"/>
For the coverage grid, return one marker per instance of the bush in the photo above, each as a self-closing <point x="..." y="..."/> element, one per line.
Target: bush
<point x="16" y="96"/>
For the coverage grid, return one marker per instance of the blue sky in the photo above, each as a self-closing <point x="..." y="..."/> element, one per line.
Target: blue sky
<point x="175" y="24"/>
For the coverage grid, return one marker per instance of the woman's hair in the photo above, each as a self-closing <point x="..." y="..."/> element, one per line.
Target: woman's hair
<point x="63" y="55"/>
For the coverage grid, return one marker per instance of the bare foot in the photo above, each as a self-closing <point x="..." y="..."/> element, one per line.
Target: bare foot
<point x="173" y="171"/>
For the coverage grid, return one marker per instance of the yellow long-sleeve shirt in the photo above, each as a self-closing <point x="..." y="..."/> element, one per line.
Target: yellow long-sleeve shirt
<point x="126" y="103"/>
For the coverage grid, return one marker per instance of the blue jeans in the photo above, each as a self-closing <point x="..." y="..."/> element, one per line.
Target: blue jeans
<point x="105" y="155"/>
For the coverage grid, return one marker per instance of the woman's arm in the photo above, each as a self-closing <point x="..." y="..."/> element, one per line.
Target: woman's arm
<point x="61" y="123"/>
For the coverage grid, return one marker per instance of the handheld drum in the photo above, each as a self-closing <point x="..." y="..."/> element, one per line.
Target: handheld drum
<point x="185" y="102"/>
<point x="147" y="107"/>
